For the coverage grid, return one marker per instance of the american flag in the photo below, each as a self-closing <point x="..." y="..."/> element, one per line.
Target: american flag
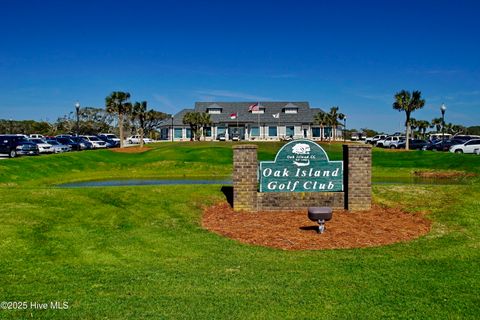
<point x="233" y="116"/>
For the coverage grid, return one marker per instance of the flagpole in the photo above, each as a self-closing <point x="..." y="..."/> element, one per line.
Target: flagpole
<point x="258" y="118"/>
<point x="278" y="125"/>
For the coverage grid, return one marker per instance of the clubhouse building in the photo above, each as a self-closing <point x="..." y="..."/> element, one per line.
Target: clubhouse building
<point x="251" y="121"/>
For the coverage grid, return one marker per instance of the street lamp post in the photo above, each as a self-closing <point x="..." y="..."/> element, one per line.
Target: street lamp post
<point x="442" y="109"/>
<point x="77" y="109"/>
<point x="172" y="129"/>
<point x="344" y="128"/>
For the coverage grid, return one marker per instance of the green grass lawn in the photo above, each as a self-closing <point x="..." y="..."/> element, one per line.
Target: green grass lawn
<point x="140" y="252"/>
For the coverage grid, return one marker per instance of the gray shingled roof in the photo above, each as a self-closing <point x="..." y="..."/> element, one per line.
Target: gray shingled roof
<point x="304" y="115"/>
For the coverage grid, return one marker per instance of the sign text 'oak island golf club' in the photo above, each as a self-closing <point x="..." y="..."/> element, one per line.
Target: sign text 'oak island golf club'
<point x="301" y="166"/>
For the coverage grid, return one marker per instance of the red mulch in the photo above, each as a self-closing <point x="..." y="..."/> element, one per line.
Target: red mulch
<point x="131" y="149"/>
<point x="294" y="231"/>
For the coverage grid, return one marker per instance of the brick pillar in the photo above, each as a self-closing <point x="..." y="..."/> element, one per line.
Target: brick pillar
<point x="245" y="184"/>
<point x="357" y="176"/>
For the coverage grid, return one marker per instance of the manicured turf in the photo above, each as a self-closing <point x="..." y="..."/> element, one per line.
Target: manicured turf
<point x="139" y="252"/>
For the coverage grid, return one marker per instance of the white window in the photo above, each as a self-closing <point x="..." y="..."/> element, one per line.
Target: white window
<point x="261" y="110"/>
<point x="214" y="110"/>
<point x="291" y="110"/>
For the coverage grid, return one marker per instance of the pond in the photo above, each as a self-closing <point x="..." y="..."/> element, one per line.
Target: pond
<point x="144" y="182"/>
<point x="228" y="181"/>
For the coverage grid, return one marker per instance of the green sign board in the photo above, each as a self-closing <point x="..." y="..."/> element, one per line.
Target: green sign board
<point x="301" y="166"/>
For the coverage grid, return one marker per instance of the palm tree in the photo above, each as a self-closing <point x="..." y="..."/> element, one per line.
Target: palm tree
<point x="404" y="101"/>
<point x="139" y="113"/>
<point x="321" y="119"/>
<point x="333" y="116"/>
<point x="436" y="123"/>
<point x="205" y="121"/>
<point x="413" y="126"/>
<point x="193" y="120"/>
<point x="117" y="103"/>
<point x="423" y="125"/>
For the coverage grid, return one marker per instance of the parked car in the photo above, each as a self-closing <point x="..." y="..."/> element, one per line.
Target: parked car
<point x="391" y="140"/>
<point x="84" y="144"/>
<point x="109" y="136"/>
<point x="43" y="146"/>
<point x="136" y="139"/>
<point x="96" y="142"/>
<point x="58" y="147"/>
<point x="69" y="142"/>
<point x="221" y="137"/>
<point x="358" y="137"/>
<point x="465" y="138"/>
<point x="27" y="148"/>
<point x="445" y="145"/>
<point x="13" y="145"/>
<point x="466" y="147"/>
<point x="37" y="136"/>
<point x="110" y="143"/>
<point x="63" y="136"/>
<point x="414" y="144"/>
<point x="374" y="139"/>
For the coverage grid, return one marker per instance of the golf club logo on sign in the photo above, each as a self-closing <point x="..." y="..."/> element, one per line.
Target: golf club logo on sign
<point x="301" y="166"/>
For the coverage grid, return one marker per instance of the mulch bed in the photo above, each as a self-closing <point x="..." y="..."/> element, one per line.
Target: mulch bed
<point x="131" y="149"/>
<point x="294" y="231"/>
<point x="443" y="174"/>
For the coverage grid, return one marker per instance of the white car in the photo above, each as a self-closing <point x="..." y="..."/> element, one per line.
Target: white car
<point x="96" y="142"/>
<point x="391" y="141"/>
<point x="468" y="147"/>
<point x="136" y="140"/>
<point x="43" y="146"/>
<point x="37" y="136"/>
<point x="373" y="140"/>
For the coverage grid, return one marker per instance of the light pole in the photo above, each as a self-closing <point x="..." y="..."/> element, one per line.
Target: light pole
<point x="344" y="128"/>
<point x="442" y="109"/>
<point x="77" y="109"/>
<point x="172" y="128"/>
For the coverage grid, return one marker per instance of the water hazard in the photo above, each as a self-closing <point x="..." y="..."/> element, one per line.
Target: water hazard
<point x="228" y="181"/>
<point x="144" y="182"/>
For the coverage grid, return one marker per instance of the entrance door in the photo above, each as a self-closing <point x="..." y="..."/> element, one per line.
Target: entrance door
<point x="236" y="133"/>
<point x="305" y="133"/>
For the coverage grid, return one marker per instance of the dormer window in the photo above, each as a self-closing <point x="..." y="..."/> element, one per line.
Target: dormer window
<point x="290" y="110"/>
<point x="214" y="110"/>
<point x="260" y="110"/>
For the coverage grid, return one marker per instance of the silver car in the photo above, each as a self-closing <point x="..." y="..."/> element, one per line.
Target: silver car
<point x="58" y="147"/>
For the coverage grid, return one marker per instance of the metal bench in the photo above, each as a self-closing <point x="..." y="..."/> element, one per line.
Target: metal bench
<point x="320" y="215"/>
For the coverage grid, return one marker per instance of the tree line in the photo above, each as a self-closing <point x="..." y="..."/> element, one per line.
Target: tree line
<point x="119" y="116"/>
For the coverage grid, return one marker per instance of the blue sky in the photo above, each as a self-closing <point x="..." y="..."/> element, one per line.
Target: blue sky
<point x="354" y="54"/>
